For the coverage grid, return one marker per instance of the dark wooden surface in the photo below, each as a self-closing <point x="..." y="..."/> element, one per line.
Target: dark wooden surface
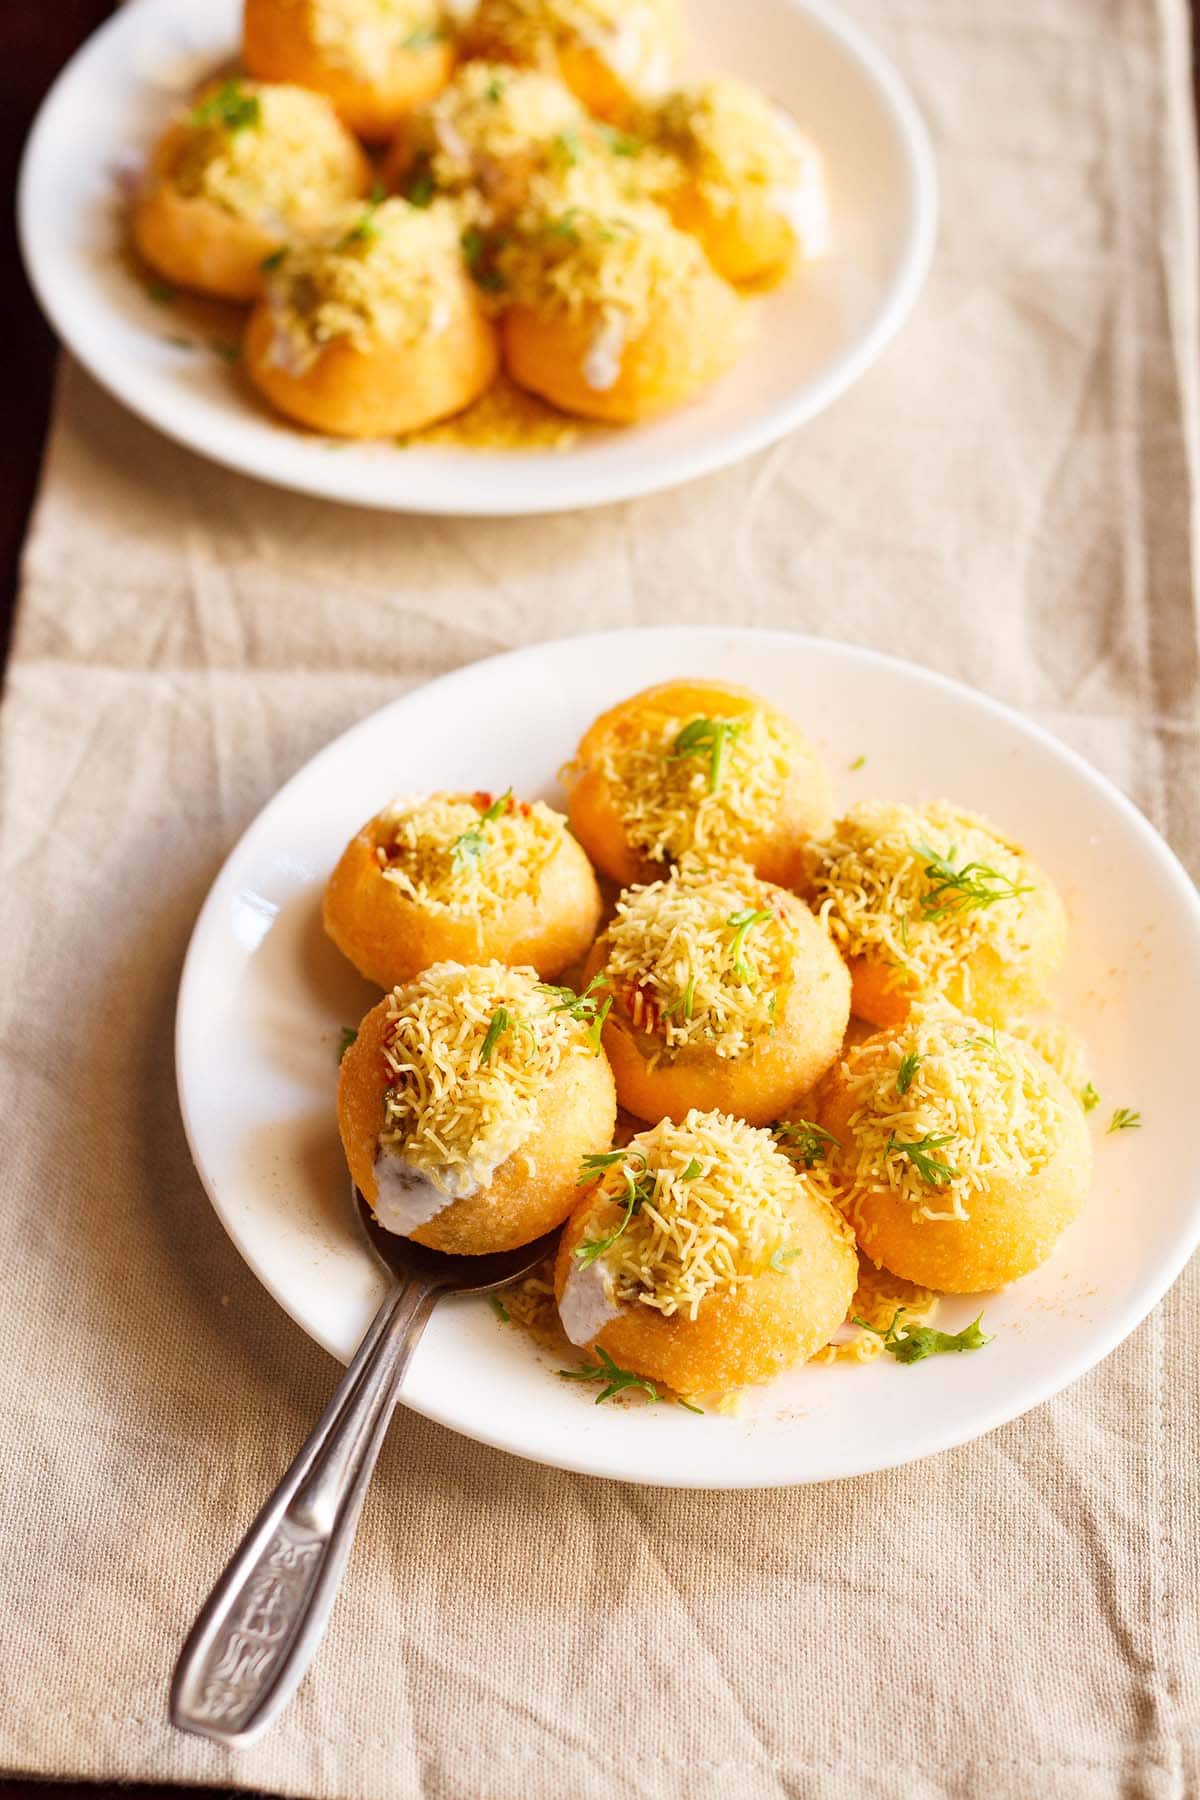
<point x="36" y="38"/>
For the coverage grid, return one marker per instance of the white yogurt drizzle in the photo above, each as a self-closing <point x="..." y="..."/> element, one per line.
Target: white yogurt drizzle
<point x="587" y="1304"/>
<point x="407" y="1198"/>
<point x="602" y="363"/>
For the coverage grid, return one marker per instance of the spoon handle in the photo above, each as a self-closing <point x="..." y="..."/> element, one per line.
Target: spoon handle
<point x="259" y="1628"/>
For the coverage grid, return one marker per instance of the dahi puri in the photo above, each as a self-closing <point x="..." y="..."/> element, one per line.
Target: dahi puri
<point x="610" y="53"/>
<point x="375" y="328"/>
<point x="960" y="1156"/>
<point x="490" y="132"/>
<point x="739" y="176"/>
<point x="704" y="1260"/>
<point x="462" y="878"/>
<point x="247" y="168"/>
<point x="697" y="766"/>
<point x="933" y="901"/>
<point x="614" y="314"/>
<point x="466" y="1104"/>
<point x="726" y="995"/>
<point x="374" y="59"/>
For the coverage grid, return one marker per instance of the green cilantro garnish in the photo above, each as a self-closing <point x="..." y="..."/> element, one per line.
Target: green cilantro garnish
<point x="621" y="143"/>
<point x="566" y="149"/>
<point x="711" y="738"/>
<point x="685" y="1001"/>
<point x="273" y="261"/>
<point x="471" y="844"/>
<point x="231" y="107"/>
<point x="422" y="37"/>
<point x="616" y="1379"/>
<point x="498" y="1307"/>
<point x="599" y="1160"/>
<point x="563" y="226"/>
<point x="421" y="185"/>
<point x="161" y="292"/>
<point x="688" y="1405"/>
<point x="917" y="1342"/>
<point x="969" y="889"/>
<point x="741" y="924"/>
<point x="691" y="1172"/>
<point x="494" y="91"/>
<point x="860" y="762"/>
<point x="981" y="1042"/>
<point x="348" y="1037"/>
<point x="638" y="1189"/>
<point x="584" y="1007"/>
<point x="365" y="230"/>
<point x="478" y="251"/>
<point x="930" y="1168"/>
<point x="780" y="1259"/>
<point x="501" y="1022"/>
<point x="1089" y="1099"/>
<point x="1125" y="1120"/>
<point x="910" y="1062"/>
<point x="803" y="1141"/>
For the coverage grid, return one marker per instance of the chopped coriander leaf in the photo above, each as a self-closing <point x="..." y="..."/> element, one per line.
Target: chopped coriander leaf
<point x="691" y="1172"/>
<point x="930" y="1168"/>
<point x="1124" y="1119"/>
<point x="421" y="187"/>
<point x="470" y="845"/>
<point x="495" y="1031"/>
<point x="803" y="1141"/>
<point x="365" y="230"/>
<point x="980" y="1041"/>
<point x="348" y="1037"/>
<point x="566" y="148"/>
<point x="1089" y="1099"/>
<point x="688" y="1405"/>
<point x="781" y="1258"/>
<point x="498" y="1307"/>
<point x="917" y="1342"/>
<point x="478" y="251"/>
<point x="711" y="738"/>
<point x="423" y="37"/>
<point x="161" y="292"/>
<point x="494" y="91"/>
<point x="615" y="1378"/>
<point x="599" y="1160"/>
<point x="860" y="762"/>
<point x="231" y="107"/>
<point x="585" y="1006"/>
<point x="564" y="226"/>
<point x="742" y="923"/>
<point x="638" y="1189"/>
<point x="621" y="143"/>
<point x="273" y="261"/>
<point x="910" y="1062"/>
<point x="969" y="889"/>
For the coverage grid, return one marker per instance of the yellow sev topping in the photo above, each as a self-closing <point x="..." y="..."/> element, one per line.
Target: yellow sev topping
<point x="671" y="800"/>
<point x="624" y="260"/>
<point x="634" y="37"/>
<point x="729" y="138"/>
<point x="367" y="36"/>
<point x="470" y="855"/>
<point x="390" y="272"/>
<point x="714" y="1210"/>
<point x="942" y="1107"/>
<point x="700" y="957"/>
<point x="268" y="152"/>
<point x="491" y="114"/>
<point x="469" y="1052"/>
<point x="921" y="888"/>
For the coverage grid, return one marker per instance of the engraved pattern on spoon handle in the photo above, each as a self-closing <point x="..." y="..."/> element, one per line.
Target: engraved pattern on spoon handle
<point x="261" y="1625"/>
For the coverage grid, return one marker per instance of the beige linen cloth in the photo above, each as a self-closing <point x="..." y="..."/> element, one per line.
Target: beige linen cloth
<point x="1005" y="497"/>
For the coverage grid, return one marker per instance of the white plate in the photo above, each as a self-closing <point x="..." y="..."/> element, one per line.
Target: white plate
<point x="815" y="337"/>
<point x="264" y="995"/>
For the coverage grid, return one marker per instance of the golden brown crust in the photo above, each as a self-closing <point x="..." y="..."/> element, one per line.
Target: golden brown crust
<point x="531" y="1192"/>
<point x="781" y="1317"/>
<point x="760" y="1086"/>
<point x="1013" y="1225"/>
<point x="276" y="47"/>
<point x="390" y="937"/>
<point x="664" y="365"/>
<point x="386" y="391"/>
<point x="775" y="850"/>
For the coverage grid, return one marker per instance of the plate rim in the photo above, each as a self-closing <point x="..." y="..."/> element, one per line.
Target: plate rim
<point x="707" y="456"/>
<point x="1060" y="1376"/>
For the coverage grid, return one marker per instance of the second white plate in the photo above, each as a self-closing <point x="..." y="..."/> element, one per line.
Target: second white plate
<point x="815" y="338"/>
<point x="264" y="996"/>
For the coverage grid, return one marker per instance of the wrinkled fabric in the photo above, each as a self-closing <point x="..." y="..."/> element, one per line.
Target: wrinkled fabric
<point x="1004" y="497"/>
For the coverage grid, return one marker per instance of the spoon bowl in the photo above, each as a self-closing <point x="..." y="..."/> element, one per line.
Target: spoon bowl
<point x="407" y="1260"/>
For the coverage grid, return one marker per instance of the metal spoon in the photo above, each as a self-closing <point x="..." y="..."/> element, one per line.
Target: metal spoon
<point x="259" y="1628"/>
